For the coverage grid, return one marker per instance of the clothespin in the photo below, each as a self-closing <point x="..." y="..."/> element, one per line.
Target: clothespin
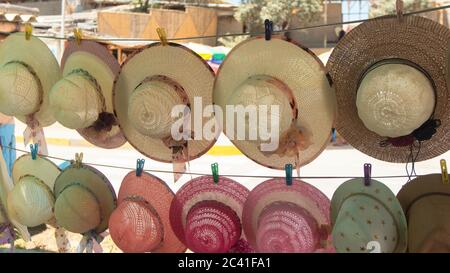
<point x="288" y="169"/>
<point x="78" y="34"/>
<point x="444" y="171"/>
<point x="78" y="159"/>
<point x="215" y="172"/>
<point x="34" y="150"/>
<point x="268" y="27"/>
<point x="399" y="9"/>
<point x="28" y="31"/>
<point x="162" y="36"/>
<point x="139" y="166"/>
<point x="367" y="173"/>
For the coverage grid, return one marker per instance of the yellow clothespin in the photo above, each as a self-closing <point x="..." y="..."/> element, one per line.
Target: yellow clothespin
<point x="28" y="31"/>
<point x="78" y="159"/>
<point x="162" y="35"/>
<point x="444" y="171"/>
<point x="78" y="34"/>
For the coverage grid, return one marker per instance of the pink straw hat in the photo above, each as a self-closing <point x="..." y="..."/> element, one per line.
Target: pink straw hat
<point x="281" y="218"/>
<point x="207" y="216"/>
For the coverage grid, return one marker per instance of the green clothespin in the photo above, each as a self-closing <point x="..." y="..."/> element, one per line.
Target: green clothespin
<point x="215" y="172"/>
<point x="288" y="169"/>
<point x="139" y="166"/>
<point x="34" y="150"/>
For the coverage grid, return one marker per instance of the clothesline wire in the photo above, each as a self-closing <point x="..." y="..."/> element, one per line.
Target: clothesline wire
<point x="244" y="33"/>
<point x="202" y="174"/>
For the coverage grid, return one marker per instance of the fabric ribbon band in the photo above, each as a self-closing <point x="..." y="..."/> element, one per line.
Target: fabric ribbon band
<point x="423" y="133"/>
<point x="62" y="242"/>
<point x="91" y="242"/>
<point x="7" y="235"/>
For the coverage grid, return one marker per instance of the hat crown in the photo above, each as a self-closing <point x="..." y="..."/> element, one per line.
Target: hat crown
<point x="20" y="92"/>
<point x="212" y="227"/>
<point x="135" y="227"/>
<point x="263" y="91"/>
<point x="394" y="99"/>
<point x="31" y="201"/>
<point x="77" y="209"/>
<point x="362" y="221"/>
<point x="75" y="101"/>
<point x="150" y="106"/>
<point x="286" y="227"/>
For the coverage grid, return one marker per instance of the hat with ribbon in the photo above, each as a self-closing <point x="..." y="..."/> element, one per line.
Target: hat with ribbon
<point x="278" y="218"/>
<point x="389" y="75"/>
<point x="141" y="223"/>
<point x="82" y="99"/>
<point x="206" y="216"/>
<point x="367" y="218"/>
<point x="280" y="92"/>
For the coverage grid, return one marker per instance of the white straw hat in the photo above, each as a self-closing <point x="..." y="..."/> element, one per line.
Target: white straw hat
<point x="278" y="73"/>
<point x="28" y="69"/>
<point x="82" y="100"/>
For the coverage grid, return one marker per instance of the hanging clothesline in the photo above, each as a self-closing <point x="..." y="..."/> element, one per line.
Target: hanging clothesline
<point x="244" y="33"/>
<point x="202" y="174"/>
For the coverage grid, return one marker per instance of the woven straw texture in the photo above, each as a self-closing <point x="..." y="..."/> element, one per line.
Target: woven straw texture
<point x="41" y="167"/>
<point x="416" y="39"/>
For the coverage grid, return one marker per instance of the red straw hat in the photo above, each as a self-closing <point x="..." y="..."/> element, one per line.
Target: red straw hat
<point x="141" y="221"/>
<point x="281" y="218"/>
<point x="207" y="216"/>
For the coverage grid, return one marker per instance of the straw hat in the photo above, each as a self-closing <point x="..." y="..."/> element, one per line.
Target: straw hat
<point x="150" y="84"/>
<point x="277" y="73"/>
<point x="85" y="199"/>
<point x="206" y="216"/>
<point x="141" y="221"/>
<point x="363" y="216"/>
<point x="389" y="76"/>
<point x="31" y="200"/>
<point x="28" y="69"/>
<point x="82" y="99"/>
<point x="425" y="201"/>
<point x="281" y="218"/>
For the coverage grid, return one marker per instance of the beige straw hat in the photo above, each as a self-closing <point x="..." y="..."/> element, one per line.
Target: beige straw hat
<point x="389" y="75"/>
<point x="31" y="201"/>
<point x="149" y="85"/>
<point x="28" y="69"/>
<point x="425" y="201"/>
<point x="277" y="73"/>
<point x="82" y="99"/>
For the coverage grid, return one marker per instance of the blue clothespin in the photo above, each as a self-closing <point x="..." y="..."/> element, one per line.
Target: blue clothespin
<point x="139" y="166"/>
<point x="268" y="27"/>
<point x="215" y="172"/>
<point x="288" y="169"/>
<point x="333" y="135"/>
<point x="367" y="173"/>
<point x="34" y="150"/>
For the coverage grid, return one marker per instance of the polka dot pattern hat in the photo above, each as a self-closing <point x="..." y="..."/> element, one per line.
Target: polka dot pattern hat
<point x="367" y="218"/>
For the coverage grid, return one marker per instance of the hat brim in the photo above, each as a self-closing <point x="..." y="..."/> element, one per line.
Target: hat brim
<point x="226" y="191"/>
<point x="382" y="194"/>
<point x="96" y="182"/>
<point x="178" y="63"/>
<point x="416" y="39"/>
<point x="302" y="72"/>
<point x="300" y="193"/>
<point x="42" y="168"/>
<point x="95" y="59"/>
<point x="159" y="196"/>
<point x="38" y="56"/>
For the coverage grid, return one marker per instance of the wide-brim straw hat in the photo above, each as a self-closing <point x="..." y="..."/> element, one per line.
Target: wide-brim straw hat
<point x="367" y="218"/>
<point x="82" y="99"/>
<point x="425" y="201"/>
<point x="206" y="216"/>
<point x="141" y="221"/>
<point x="31" y="201"/>
<point x="151" y="82"/>
<point x="28" y="71"/>
<point x="282" y="218"/>
<point x="85" y="199"/>
<point x="278" y="73"/>
<point x="389" y="76"/>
